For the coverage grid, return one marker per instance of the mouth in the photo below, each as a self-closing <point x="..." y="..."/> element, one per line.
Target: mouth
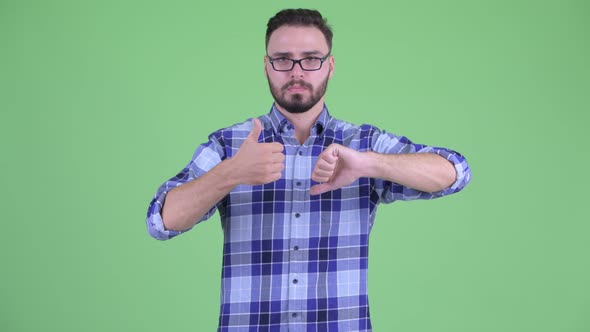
<point x="296" y="88"/>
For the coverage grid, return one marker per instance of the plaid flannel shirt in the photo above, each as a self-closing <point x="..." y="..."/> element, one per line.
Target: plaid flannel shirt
<point x="291" y="261"/>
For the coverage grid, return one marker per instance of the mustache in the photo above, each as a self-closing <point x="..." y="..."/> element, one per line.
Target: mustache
<point x="300" y="83"/>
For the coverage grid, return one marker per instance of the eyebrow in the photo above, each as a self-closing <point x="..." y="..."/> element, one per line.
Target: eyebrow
<point x="288" y="54"/>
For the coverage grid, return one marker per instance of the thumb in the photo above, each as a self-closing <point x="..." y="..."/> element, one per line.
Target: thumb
<point x="320" y="188"/>
<point x="256" y="130"/>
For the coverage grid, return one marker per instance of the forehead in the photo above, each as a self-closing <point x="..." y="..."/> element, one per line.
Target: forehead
<point x="296" y="40"/>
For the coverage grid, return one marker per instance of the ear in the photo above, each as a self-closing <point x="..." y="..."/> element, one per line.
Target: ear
<point x="332" y="64"/>
<point x="265" y="61"/>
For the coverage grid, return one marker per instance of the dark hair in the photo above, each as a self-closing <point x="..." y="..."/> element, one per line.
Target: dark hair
<point x="299" y="17"/>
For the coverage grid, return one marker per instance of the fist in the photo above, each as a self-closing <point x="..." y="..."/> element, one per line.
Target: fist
<point x="259" y="163"/>
<point x="337" y="166"/>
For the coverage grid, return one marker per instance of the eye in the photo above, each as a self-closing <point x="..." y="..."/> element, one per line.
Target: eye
<point x="312" y="61"/>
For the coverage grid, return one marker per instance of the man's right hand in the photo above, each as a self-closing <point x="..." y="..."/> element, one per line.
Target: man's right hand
<point x="258" y="163"/>
<point x="254" y="163"/>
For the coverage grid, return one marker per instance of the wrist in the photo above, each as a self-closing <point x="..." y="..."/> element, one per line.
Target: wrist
<point x="373" y="165"/>
<point x="228" y="174"/>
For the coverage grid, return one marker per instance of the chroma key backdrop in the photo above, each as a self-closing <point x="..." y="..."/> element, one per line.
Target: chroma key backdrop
<point x="102" y="101"/>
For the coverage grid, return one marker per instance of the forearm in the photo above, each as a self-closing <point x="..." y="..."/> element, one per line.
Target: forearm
<point x="426" y="172"/>
<point x="188" y="203"/>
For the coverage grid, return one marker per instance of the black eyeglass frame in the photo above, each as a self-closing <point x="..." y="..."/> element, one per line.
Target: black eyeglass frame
<point x="294" y="62"/>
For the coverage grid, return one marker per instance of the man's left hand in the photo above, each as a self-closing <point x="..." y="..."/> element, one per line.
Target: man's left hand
<point x="337" y="166"/>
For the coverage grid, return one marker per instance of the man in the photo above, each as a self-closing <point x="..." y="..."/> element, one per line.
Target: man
<point x="297" y="192"/>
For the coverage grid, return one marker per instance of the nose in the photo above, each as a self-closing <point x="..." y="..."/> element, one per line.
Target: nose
<point x="297" y="71"/>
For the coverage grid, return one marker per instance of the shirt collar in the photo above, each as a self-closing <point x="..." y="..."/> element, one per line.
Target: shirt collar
<point x="279" y="122"/>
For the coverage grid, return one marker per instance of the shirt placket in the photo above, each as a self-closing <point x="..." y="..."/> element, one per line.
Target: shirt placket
<point x="297" y="262"/>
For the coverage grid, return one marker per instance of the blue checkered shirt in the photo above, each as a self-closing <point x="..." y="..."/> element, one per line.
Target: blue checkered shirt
<point x="291" y="261"/>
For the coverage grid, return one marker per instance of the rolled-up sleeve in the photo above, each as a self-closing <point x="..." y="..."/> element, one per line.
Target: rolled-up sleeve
<point x="207" y="156"/>
<point x="384" y="142"/>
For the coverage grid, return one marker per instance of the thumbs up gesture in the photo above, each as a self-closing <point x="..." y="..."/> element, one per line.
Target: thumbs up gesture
<point x="259" y="163"/>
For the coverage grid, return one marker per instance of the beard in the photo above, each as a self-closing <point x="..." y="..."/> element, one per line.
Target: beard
<point x="297" y="103"/>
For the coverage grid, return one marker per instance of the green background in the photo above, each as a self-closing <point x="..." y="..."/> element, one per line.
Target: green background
<point x="102" y="101"/>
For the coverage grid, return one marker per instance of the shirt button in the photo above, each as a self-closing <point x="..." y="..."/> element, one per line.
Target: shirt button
<point x="300" y="153"/>
<point x="295" y="281"/>
<point x="297" y="215"/>
<point x="294" y="315"/>
<point x="296" y="248"/>
<point x="298" y="183"/>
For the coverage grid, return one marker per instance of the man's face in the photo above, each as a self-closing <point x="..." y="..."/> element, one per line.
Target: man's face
<point x="297" y="90"/>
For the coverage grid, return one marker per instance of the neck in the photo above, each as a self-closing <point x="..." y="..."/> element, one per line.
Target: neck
<point x="303" y="121"/>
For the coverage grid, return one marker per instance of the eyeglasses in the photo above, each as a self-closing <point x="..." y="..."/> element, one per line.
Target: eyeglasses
<point x="307" y="64"/>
